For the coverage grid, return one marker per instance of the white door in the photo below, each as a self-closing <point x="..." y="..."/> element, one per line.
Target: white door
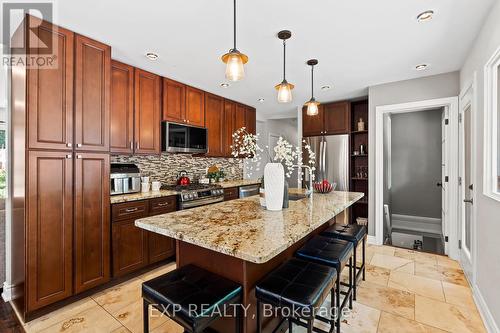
<point x="466" y="186"/>
<point x="445" y="134"/>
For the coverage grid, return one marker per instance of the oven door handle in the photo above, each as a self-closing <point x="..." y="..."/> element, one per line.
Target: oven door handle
<point x="201" y="202"/>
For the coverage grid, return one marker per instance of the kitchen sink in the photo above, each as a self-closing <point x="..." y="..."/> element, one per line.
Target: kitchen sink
<point x="295" y="197"/>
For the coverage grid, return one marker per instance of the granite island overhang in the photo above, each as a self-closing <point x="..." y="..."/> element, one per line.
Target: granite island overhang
<point x="242" y="241"/>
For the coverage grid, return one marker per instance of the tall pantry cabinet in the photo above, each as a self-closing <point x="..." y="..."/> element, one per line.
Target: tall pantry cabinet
<point x="60" y="162"/>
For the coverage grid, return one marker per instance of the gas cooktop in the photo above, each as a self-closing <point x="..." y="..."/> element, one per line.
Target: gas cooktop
<point x="191" y="187"/>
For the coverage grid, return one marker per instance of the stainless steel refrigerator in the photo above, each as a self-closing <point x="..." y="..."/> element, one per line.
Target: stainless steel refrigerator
<point x="332" y="159"/>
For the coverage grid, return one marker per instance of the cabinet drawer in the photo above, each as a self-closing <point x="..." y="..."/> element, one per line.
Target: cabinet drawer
<point x="162" y="205"/>
<point x="129" y="210"/>
<point x="231" y="193"/>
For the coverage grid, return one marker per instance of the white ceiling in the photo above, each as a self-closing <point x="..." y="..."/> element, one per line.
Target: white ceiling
<point x="358" y="43"/>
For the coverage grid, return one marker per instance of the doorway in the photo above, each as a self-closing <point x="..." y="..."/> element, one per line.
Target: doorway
<point x="449" y="217"/>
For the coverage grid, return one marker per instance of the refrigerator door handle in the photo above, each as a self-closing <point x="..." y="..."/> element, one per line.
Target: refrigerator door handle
<point x="324" y="159"/>
<point x="320" y="164"/>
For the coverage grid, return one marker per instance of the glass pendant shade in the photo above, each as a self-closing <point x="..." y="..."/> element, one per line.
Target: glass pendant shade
<point x="312" y="107"/>
<point x="234" y="66"/>
<point x="284" y="92"/>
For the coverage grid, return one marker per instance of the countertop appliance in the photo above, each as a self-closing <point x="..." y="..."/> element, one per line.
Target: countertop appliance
<point x="177" y="138"/>
<point x="249" y="190"/>
<point x="332" y="159"/>
<point x="182" y="178"/>
<point x="194" y="195"/>
<point x="124" y="178"/>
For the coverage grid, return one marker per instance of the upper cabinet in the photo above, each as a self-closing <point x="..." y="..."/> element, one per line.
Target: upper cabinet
<point x="214" y="122"/>
<point x="174" y="101"/>
<point x="228" y="129"/>
<point x="147" y="112"/>
<point x="122" y="108"/>
<point x="195" y="106"/>
<point x="251" y="120"/>
<point x="92" y="94"/>
<point x="239" y="116"/>
<point x="337" y="117"/>
<point x="49" y="91"/>
<point x="332" y="118"/>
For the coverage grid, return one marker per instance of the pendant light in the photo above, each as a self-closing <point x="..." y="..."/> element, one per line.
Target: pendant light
<point x="284" y="88"/>
<point x="234" y="59"/>
<point x="312" y="104"/>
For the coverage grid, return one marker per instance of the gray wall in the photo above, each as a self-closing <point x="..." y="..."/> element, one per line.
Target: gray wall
<point x="488" y="210"/>
<point x="416" y="163"/>
<point x="430" y="87"/>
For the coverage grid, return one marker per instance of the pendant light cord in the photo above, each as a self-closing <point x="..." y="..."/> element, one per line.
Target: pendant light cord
<point x="234" y="25"/>
<point x="284" y="59"/>
<point x="312" y="82"/>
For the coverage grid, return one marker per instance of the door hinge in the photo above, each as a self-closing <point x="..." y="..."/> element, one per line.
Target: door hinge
<point x="459" y="244"/>
<point x="446" y="239"/>
<point x="446" y="121"/>
<point x="445" y="179"/>
<point x="459" y="117"/>
<point x="459" y="181"/>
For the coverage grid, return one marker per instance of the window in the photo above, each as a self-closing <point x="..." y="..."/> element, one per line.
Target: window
<point x="492" y="127"/>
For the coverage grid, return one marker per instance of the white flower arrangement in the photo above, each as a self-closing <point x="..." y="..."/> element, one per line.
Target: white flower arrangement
<point x="246" y="145"/>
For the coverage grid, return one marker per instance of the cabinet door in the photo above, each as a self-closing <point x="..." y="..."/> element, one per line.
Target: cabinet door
<point x="130" y="250"/>
<point x="228" y="128"/>
<point x="160" y="247"/>
<point x="121" y="134"/>
<point x="195" y="106"/>
<point x="92" y="229"/>
<point x="214" y="122"/>
<point x="251" y="120"/>
<point x="50" y="91"/>
<point x="174" y="101"/>
<point x="147" y="112"/>
<point x="49" y="228"/>
<point x="312" y="125"/>
<point x="337" y="118"/>
<point x="92" y="94"/>
<point x="240" y="116"/>
<point x="231" y="193"/>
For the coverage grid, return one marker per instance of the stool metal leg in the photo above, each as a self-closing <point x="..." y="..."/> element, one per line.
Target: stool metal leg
<point x="259" y="318"/>
<point x="290" y="325"/>
<point x="364" y="262"/>
<point x="350" y="283"/>
<point x="354" y="267"/>
<point x="337" y="303"/>
<point x="310" y="326"/>
<point x="145" y="316"/>
<point x="237" y="318"/>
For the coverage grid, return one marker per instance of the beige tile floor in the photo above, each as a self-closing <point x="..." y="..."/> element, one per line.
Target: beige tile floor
<point x="404" y="291"/>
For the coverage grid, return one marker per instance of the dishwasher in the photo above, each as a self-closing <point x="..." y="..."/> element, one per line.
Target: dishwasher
<point x="249" y="190"/>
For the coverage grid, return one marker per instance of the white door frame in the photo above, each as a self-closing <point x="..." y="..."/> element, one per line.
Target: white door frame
<point x="468" y="98"/>
<point x="452" y="104"/>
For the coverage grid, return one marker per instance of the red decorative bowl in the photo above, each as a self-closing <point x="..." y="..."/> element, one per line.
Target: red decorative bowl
<point x="322" y="187"/>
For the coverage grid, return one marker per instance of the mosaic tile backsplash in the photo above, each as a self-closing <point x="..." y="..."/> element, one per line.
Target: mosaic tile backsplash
<point x="166" y="167"/>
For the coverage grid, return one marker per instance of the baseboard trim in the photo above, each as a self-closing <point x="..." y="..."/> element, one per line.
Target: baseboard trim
<point x="372" y="240"/>
<point x="484" y="311"/>
<point x="8" y="292"/>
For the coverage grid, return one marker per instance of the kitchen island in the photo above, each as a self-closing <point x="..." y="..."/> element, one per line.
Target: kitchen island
<point x="242" y="241"/>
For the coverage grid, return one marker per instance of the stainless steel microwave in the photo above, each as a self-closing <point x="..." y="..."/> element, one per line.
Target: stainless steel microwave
<point x="177" y="138"/>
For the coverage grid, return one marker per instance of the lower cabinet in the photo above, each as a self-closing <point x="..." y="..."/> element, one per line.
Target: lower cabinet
<point x="231" y="193"/>
<point x="134" y="248"/>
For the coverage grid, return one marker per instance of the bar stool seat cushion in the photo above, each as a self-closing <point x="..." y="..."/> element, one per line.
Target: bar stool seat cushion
<point x="298" y="285"/>
<point x="327" y="251"/>
<point x="175" y="291"/>
<point x="351" y="232"/>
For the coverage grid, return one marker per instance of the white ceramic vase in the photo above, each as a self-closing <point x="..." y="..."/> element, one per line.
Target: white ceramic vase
<point x="274" y="177"/>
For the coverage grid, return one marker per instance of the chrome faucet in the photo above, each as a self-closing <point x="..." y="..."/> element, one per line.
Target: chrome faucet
<point x="309" y="191"/>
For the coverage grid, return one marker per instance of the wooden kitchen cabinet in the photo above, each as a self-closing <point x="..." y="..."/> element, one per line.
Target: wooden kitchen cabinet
<point x="228" y="129"/>
<point x="214" y="122"/>
<point x="336" y="118"/>
<point x="49" y="228"/>
<point x="195" y="106"/>
<point x="92" y="94"/>
<point x="251" y="120"/>
<point x="231" y="193"/>
<point x="239" y="116"/>
<point x="122" y="108"/>
<point x="147" y="112"/>
<point x="92" y="225"/>
<point x="174" y="101"/>
<point x="130" y="247"/>
<point x="50" y="116"/>
<point x="313" y="125"/>
<point x="160" y="247"/>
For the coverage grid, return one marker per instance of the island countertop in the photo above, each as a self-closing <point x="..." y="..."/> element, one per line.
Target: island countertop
<point x="243" y="229"/>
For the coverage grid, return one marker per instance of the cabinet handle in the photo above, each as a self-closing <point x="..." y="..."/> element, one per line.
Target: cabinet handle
<point x="69" y="156"/>
<point x="131" y="145"/>
<point x="130" y="210"/>
<point x="163" y="204"/>
<point x="187" y="121"/>
<point x="69" y="145"/>
<point x="137" y="145"/>
<point x="78" y="145"/>
<point x="78" y="156"/>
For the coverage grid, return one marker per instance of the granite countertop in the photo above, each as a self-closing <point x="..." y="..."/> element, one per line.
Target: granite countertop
<point x="243" y="229"/>
<point x="165" y="193"/>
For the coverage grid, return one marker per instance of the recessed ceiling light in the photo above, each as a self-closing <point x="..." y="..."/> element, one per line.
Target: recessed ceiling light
<point x="421" y="67"/>
<point x="224" y="85"/>
<point x="425" y="16"/>
<point x="327" y="87"/>
<point x="261" y="100"/>
<point x="152" y="56"/>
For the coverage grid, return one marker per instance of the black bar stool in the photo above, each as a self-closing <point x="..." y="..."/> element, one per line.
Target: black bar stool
<point x="192" y="297"/>
<point x="335" y="253"/>
<point x="352" y="233"/>
<point x="298" y="288"/>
